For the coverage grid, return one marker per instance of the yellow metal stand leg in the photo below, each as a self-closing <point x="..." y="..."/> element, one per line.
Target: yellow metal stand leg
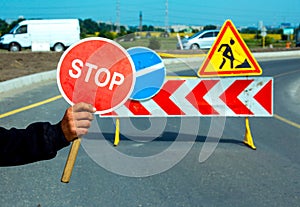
<point x="117" y="133"/>
<point x="248" y="140"/>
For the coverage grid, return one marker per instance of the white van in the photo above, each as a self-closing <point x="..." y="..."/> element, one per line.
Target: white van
<point x="58" y="33"/>
<point x="201" y="40"/>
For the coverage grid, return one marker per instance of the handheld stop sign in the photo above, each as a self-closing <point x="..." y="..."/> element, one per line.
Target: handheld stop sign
<point x="96" y="71"/>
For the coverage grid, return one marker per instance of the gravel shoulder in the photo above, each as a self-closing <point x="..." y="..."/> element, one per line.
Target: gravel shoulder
<point x="13" y="65"/>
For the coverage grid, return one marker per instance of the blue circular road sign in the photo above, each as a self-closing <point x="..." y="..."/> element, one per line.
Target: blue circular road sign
<point x="150" y="73"/>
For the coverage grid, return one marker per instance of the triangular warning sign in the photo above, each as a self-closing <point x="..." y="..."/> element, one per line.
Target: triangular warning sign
<point x="229" y="56"/>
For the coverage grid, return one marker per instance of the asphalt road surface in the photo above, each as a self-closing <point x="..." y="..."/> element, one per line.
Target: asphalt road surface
<point x="234" y="175"/>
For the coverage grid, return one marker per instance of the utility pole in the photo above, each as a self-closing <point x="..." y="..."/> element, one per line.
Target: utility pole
<point x="118" y="16"/>
<point x="167" y="17"/>
<point x="141" y="22"/>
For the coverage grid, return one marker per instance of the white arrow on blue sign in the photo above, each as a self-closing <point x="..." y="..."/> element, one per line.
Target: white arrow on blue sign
<point x="150" y="73"/>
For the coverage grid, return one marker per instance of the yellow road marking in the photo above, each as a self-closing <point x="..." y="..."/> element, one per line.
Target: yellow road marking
<point x="29" y="106"/>
<point x="167" y="55"/>
<point x="294" y="124"/>
<point x="181" y="77"/>
<point x="276" y="116"/>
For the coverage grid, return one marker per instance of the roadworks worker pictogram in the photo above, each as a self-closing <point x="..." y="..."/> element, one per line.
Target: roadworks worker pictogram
<point x="228" y="54"/>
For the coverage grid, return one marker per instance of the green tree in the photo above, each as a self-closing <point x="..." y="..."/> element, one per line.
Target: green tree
<point x="3" y="26"/>
<point x="122" y="31"/>
<point x="13" y="24"/>
<point x="90" y="26"/>
<point x="105" y="27"/>
<point x="249" y="30"/>
<point x="209" y="27"/>
<point x="132" y="29"/>
<point x="150" y="28"/>
<point x="145" y="28"/>
<point x="107" y="34"/>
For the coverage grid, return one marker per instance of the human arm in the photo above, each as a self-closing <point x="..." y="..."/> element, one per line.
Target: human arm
<point x="39" y="141"/>
<point x="42" y="140"/>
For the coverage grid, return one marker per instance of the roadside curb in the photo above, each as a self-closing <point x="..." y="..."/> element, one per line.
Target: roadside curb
<point x="28" y="80"/>
<point x="282" y="54"/>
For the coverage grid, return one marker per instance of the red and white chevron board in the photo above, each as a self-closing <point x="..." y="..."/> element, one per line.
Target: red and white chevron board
<point x="205" y="97"/>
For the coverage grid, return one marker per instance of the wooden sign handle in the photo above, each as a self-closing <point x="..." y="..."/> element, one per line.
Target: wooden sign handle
<point x="65" y="178"/>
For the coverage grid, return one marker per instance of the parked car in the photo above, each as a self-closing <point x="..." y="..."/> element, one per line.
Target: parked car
<point x="201" y="40"/>
<point x="297" y="38"/>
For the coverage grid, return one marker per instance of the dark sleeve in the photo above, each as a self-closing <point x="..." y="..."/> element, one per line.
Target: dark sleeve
<point x="39" y="141"/>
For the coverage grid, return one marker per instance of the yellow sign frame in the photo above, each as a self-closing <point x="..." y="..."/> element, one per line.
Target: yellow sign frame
<point x="229" y="56"/>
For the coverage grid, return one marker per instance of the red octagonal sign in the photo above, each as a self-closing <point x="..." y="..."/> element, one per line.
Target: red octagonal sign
<point x="96" y="71"/>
